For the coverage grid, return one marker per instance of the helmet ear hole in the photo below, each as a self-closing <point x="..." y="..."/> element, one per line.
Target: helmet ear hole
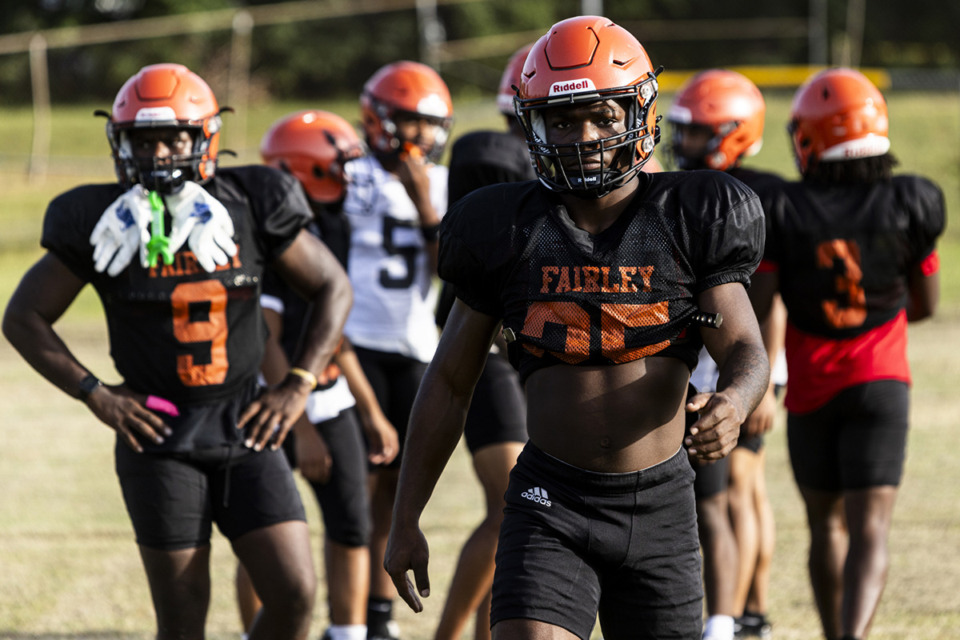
<point x="318" y="172"/>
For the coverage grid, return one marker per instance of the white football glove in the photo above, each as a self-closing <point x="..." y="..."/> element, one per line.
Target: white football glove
<point x="203" y="222"/>
<point x="122" y="230"/>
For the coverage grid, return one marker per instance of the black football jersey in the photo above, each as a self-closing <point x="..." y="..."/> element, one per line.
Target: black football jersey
<point x="482" y="158"/>
<point x="571" y="297"/>
<point x="844" y="252"/>
<point x="334" y="231"/>
<point x="176" y="331"/>
<point x="479" y="159"/>
<point x="766" y="185"/>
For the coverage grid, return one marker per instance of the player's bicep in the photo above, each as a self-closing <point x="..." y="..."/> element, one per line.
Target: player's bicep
<point x="739" y="328"/>
<point x="464" y="346"/>
<point x="47" y="290"/>
<point x="309" y="266"/>
<point x="924" y="293"/>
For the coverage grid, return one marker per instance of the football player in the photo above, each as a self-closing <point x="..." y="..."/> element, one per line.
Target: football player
<point x="327" y="442"/>
<point x="395" y="198"/>
<point x="176" y="251"/>
<point x="852" y="251"/>
<point x="716" y="120"/>
<point x="495" y="428"/>
<point x="598" y="276"/>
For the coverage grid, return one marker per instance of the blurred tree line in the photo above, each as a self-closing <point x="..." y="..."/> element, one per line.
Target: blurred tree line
<point x="333" y="57"/>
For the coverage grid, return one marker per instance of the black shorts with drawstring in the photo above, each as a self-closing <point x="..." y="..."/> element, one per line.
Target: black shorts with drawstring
<point x="174" y="498"/>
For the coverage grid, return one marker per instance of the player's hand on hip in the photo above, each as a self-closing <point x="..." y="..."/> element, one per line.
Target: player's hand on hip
<point x="716" y="431"/>
<point x="269" y="418"/>
<point x="126" y="413"/>
<point x="407" y="550"/>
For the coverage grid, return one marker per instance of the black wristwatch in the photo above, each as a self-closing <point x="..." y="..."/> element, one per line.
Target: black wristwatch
<point x="87" y="386"/>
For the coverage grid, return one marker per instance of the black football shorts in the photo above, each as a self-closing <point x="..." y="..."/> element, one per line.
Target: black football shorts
<point x="343" y="499"/>
<point x="575" y="544"/>
<point x="855" y="441"/>
<point x="498" y="412"/>
<point x="395" y="379"/>
<point x="173" y="498"/>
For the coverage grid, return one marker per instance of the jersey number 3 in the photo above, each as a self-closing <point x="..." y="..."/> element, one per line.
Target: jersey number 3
<point x="193" y="296"/>
<point x="843" y="257"/>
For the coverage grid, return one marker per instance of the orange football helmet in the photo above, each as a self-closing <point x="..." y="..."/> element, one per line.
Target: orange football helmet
<point x="510" y="79"/>
<point x="838" y="115"/>
<point x="405" y="87"/>
<point x="165" y="95"/>
<point x="731" y="106"/>
<point x="584" y="60"/>
<point x="314" y="146"/>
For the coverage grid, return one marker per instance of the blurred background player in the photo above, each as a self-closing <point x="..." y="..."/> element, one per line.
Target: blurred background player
<point x="197" y="439"/>
<point x="717" y="120"/>
<point x="395" y="198"/>
<point x="852" y="250"/>
<point x="327" y="442"/>
<point x="495" y="430"/>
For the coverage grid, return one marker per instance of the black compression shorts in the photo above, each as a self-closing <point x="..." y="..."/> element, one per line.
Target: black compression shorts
<point x="173" y="499"/>
<point x="498" y="412"/>
<point x="576" y="543"/>
<point x="344" y="502"/>
<point x="712" y="477"/>
<point x="395" y="380"/>
<point x="855" y="441"/>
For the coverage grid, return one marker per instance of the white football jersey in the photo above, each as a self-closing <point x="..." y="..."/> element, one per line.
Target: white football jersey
<point x="393" y="290"/>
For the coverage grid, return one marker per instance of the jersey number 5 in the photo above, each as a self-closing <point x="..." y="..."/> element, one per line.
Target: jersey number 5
<point x="843" y="257"/>
<point x="407" y="253"/>
<point x="189" y="328"/>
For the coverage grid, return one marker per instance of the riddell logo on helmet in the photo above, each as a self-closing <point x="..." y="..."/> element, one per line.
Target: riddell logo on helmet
<point x="156" y="114"/>
<point x="570" y="86"/>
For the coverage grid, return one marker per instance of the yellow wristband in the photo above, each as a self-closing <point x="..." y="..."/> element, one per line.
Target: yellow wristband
<point x="306" y="375"/>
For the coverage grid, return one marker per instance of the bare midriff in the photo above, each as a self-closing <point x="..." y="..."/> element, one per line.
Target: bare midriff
<point x="610" y="419"/>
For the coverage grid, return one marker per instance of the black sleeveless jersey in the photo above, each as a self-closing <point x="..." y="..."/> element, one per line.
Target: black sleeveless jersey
<point x="844" y="252"/>
<point x="176" y="331"/>
<point x="570" y="297"/>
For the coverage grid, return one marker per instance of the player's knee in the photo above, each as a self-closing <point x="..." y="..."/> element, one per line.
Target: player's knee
<point x="350" y="533"/>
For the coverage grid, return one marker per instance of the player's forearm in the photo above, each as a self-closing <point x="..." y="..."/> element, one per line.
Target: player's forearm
<point x="436" y="424"/>
<point x="360" y="389"/>
<point x="744" y="376"/>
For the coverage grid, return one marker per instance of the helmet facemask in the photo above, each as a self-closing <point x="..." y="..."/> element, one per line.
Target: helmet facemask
<point x="631" y="149"/>
<point x="164" y="175"/>
<point x="389" y="138"/>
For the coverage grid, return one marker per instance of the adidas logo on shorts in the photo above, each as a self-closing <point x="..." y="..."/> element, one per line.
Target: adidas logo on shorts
<point x="538" y="495"/>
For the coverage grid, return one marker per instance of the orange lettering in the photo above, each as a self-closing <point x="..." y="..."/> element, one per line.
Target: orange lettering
<point x="591" y="279"/>
<point x="626" y="282"/>
<point x="545" y="276"/>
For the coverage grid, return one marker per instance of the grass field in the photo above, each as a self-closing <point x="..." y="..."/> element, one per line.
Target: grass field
<point x="68" y="564"/>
